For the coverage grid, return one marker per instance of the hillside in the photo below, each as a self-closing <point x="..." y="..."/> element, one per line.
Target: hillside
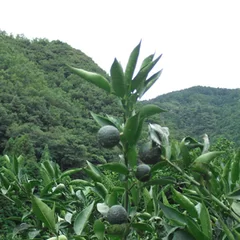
<point x="43" y="105"/>
<point x="200" y="110"/>
<point x="41" y="102"/>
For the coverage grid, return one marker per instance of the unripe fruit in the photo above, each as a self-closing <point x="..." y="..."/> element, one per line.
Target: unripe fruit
<point x="143" y="173"/>
<point x="149" y="154"/>
<point x="108" y="136"/>
<point x="117" y="214"/>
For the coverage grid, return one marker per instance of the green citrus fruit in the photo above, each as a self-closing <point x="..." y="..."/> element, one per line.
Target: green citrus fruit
<point x="118" y="229"/>
<point x="108" y="136"/>
<point x="143" y="173"/>
<point x="117" y="215"/>
<point x="149" y="154"/>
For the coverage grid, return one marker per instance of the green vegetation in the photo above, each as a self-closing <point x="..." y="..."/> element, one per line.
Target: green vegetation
<point x="58" y="182"/>
<point x="199" y="110"/>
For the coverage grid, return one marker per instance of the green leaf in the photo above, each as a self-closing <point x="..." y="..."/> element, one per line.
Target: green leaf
<point x="81" y="183"/>
<point x="135" y="193"/>
<point x="161" y="181"/>
<point x="93" y="172"/>
<point x="149" y="82"/>
<point x="158" y="166"/>
<point x="82" y="219"/>
<point x="116" y="167"/>
<point x="117" y="76"/>
<point x="138" y="81"/>
<point x="142" y="227"/>
<point x="15" y="166"/>
<point x="194" y="229"/>
<point x="102" y="121"/>
<point x="234" y="195"/>
<point x="99" y="229"/>
<point x="181" y="235"/>
<point x="49" y="168"/>
<point x="235" y="168"/>
<point x="226" y="170"/>
<point x="185" y="203"/>
<point x="112" y="198"/>
<point x="147" y="60"/>
<point x="208" y="157"/>
<point x="132" y="156"/>
<point x="174" y="215"/>
<point x="101" y="190"/>
<point x="205" y="221"/>
<point x="131" y="65"/>
<point x="227" y="231"/>
<point x="70" y="172"/>
<point x="43" y="213"/>
<point x="94" y="78"/>
<point x="149" y="110"/>
<point x="131" y="129"/>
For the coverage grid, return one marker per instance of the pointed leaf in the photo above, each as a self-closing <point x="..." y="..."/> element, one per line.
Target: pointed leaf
<point x="205" y="221"/>
<point x="207" y="157"/>
<point x="149" y="110"/>
<point x="147" y="60"/>
<point x="112" y="198"/>
<point x="161" y="181"/>
<point x="116" y="167"/>
<point x="235" y="168"/>
<point x="82" y="219"/>
<point x="93" y="172"/>
<point x="131" y="65"/>
<point x="94" y="78"/>
<point x="131" y="129"/>
<point x="132" y="156"/>
<point x="138" y="81"/>
<point x="70" y="172"/>
<point x="99" y="229"/>
<point x="185" y="203"/>
<point x="117" y="76"/>
<point x="194" y="229"/>
<point x="173" y="215"/>
<point x="44" y="213"/>
<point x="149" y="82"/>
<point x="101" y="190"/>
<point x="102" y="121"/>
<point x="234" y="195"/>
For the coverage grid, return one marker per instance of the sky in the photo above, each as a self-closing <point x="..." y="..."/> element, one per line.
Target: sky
<point x="199" y="40"/>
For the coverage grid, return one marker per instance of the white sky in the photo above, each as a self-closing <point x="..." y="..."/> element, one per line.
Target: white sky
<point x="199" y="40"/>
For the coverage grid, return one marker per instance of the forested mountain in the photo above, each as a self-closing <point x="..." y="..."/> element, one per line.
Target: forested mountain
<point x="200" y="110"/>
<point x="41" y="102"/>
<point x="43" y="105"/>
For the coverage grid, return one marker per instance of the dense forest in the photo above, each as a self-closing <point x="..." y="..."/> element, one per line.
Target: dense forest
<point x="200" y="110"/>
<point x="43" y="105"/>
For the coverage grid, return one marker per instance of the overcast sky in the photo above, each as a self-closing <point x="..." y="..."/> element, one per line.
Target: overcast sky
<point x="199" y="40"/>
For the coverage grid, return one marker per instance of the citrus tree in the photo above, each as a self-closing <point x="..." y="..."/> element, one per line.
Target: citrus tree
<point x="200" y="203"/>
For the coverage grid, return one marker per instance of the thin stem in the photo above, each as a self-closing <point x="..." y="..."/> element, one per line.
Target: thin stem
<point x="127" y="184"/>
<point x="216" y="200"/>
